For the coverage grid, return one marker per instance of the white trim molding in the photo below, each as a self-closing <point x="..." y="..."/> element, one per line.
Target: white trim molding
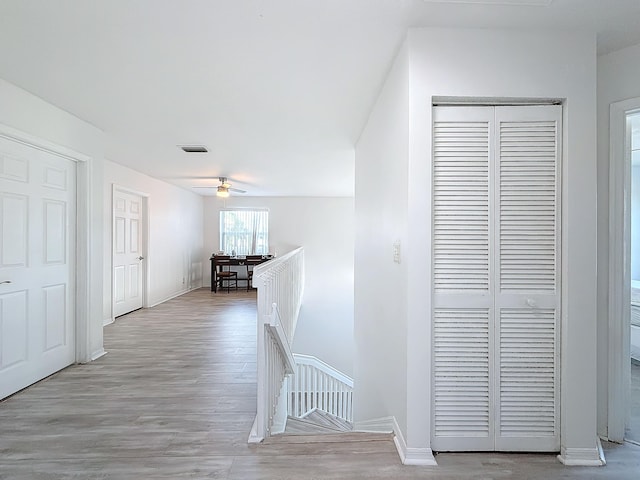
<point x="98" y="353"/>
<point x="583" y="457"/>
<point x="376" y="425"/>
<point x="253" y="435"/>
<point x="411" y="455"/>
<point x="170" y="297"/>
<point x="619" y="268"/>
<point x="408" y="455"/>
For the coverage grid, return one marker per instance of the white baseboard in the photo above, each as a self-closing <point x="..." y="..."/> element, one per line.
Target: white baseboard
<point x="376" y="425"/>
<point x="253" y="436"/>
<point x="110" y="320"/>
<point x="583" y="457"/>
<point x="411" y="455"/>
<point x="171" y="297"/>
<point x="97" y="354"/>
<point x="408" y="455"/>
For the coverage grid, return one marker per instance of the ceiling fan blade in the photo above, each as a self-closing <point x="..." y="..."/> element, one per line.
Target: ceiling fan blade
<point x="237" y="190"/>
<point x="203" y="186"/>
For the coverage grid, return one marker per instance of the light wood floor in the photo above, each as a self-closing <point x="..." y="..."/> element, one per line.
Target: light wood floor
<point x="633" y="432"/>
<point x="175" y="398"/>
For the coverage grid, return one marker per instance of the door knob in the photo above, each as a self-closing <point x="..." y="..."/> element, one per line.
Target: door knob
<point x="140" y="257"/>
<point x="6" y="281"/>
<point x="532" y="303"/>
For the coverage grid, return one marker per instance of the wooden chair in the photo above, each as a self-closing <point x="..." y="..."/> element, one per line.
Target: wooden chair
<point x="227" y="275"/>
<point x="251" y="261"/>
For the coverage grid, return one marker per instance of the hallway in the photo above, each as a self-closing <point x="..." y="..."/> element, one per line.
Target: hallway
<point x="175" y="397"/>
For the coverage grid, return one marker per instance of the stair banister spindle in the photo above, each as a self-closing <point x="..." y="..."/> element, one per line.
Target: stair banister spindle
<point x="300" y="403"/>
<point x="310" y="387"/>
<point x="327" y="392"/>
<point x="310" y="390"/>
<point x="300" y="391"/>
<point x="305" y="388"/>
<point x="316" y="390"/>
<point x="331" y="394"/>
<point x="324" y="391"/>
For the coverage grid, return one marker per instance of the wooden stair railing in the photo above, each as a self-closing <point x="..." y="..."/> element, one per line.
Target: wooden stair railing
<point x="318" y="386"/>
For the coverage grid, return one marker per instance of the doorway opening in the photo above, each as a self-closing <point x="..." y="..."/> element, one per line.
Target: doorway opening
<point x="632" y="430"/>
<point x="624" y="273"/>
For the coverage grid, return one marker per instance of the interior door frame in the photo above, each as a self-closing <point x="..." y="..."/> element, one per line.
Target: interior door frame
<point x="144" y="242"/>
<point x="561" y="322"/>
<point x="619" y="365"/>
<point x="84" y="236"/>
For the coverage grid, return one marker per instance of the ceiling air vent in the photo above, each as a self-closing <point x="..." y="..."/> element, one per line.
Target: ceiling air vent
<point x="194" y="148"/>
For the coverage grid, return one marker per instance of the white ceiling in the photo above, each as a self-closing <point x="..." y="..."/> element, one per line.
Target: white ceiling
<point x="279" y="90"/>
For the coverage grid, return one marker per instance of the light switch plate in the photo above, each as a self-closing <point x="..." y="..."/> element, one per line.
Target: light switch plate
<point x="396" y="251"/>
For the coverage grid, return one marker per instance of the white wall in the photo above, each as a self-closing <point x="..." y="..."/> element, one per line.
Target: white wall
<point x="324" y="227"/>
<point x="380" y="284"/>
<point x="618" y="79"/>
<point x="491" y="63"/>
<point x="31" y="115"/>
<point x="496" y="63"/>
<point x="175" y="248"/>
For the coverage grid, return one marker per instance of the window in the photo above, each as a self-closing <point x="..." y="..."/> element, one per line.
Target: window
<point x="245" y="232"/>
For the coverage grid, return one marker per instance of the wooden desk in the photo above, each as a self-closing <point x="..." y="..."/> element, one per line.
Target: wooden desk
<point x="233" y="262"/>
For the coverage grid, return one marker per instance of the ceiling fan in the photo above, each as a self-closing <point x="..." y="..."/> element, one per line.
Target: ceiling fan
<point x="224" y="188"/>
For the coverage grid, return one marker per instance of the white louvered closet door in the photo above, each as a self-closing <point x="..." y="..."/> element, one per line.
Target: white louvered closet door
<point x="463" y="279"/>
<point x="527" y="303"/>
<point x="495" y="278"/>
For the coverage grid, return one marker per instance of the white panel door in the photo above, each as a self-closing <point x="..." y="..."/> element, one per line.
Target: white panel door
<point x="496" y="269"/>
<point x="127" y="253"/>
<point x="37" y="264"/>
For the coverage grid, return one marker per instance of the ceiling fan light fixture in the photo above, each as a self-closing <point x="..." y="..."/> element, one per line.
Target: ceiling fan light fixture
<point x="222" y="191"/>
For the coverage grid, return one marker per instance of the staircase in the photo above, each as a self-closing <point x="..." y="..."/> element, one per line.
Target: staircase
<point x="324" y="432"/>
<point x="297" y="394"/>
<point x="317" y="422"/>
<point x="353" y="442"/>
<point x="304" y="406"/>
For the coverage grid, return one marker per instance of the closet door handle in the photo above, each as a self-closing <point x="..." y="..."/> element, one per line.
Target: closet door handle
<point x="531" y="302"/>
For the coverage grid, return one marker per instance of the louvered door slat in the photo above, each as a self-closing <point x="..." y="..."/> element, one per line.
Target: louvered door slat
<point x="461" y="379"/>
<point x="461" y="206"/>
<point x="527" y="159"/>
<point x="528" y="382"/>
